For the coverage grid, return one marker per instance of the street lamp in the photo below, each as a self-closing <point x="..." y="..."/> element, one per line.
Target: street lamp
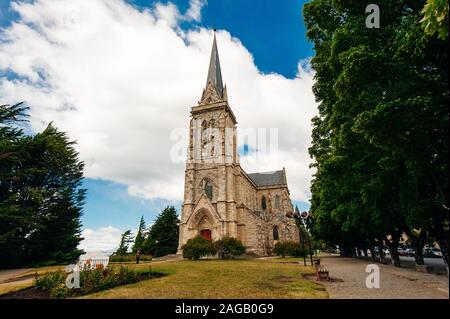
<point x="303" y="246"/>
<point x="156" y="248"/>
<point x="299" y="219"/>
<point x="304" y="216"/>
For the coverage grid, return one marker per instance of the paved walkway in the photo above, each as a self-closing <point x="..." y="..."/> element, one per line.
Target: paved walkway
<point x="8" y="279"/>
<point x="349" y="281"/>
<point x="7" y="275"/>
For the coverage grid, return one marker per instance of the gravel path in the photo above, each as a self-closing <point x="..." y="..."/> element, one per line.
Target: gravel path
<point x="349" y="281"/>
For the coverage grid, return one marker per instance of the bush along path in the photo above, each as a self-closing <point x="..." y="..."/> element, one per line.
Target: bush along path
<point x="52" y="285"/>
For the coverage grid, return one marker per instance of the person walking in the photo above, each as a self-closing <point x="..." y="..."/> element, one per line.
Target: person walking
<point x="138" y="255"/>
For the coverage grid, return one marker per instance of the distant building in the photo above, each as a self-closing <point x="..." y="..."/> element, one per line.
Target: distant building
<point x="220" y="198"/>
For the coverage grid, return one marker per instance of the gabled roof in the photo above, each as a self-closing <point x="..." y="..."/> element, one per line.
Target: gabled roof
<point x="268" y="178"/>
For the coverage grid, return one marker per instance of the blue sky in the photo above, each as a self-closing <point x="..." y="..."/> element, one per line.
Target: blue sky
<point x="272" y="31"/>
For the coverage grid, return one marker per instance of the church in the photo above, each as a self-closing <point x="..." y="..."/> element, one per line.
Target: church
<point x="220" y="198"/>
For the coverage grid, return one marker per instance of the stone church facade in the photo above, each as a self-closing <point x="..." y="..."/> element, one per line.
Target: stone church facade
<point x="220" y="198"/>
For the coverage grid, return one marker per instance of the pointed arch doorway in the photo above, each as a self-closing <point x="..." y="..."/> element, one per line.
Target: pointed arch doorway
<point x="206" y="234"/>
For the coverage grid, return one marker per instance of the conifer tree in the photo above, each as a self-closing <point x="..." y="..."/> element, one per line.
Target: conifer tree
<point x="140" y="236"/>
<point x="125" y="240"/>
<point x="163" y="235"/>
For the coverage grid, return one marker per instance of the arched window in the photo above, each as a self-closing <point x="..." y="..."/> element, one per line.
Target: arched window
<point x="209" y="190"/>
<point x="277" y="201"/>
<point x="275" y="233"/>
<point x="263" y="202"/>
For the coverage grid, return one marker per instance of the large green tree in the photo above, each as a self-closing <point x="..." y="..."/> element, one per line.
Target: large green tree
<point x="140" y="236"/>
<point x="162" y="237"/>
<point x="125" y="241"/>
<point x="380" y="142"/>
<point x="41" y="195"/>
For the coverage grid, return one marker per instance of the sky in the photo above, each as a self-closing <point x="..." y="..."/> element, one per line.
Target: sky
<point x="120" y="77"/>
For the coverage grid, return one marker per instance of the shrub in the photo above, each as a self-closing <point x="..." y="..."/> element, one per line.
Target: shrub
<point x="288" y="248"/>
<point x="128" y="258"/>
<point x="228" y="247"/>
<point x="92" y="280"/>
<point x="54" y="283"/>
<point x="197" y="247"/>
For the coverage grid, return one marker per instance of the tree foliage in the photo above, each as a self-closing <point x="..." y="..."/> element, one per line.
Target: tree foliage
<point x="380" y="141"/>
<point x="435" y="18"/>
<point x="140" y="236"/>
<point x="162" y="237"/>
<point x="288" y="248"/>
<point x="228" y="247"/>
<point x="41" y="197"/>
<point x="125" y="241"/>
<point x="198" y="247"/>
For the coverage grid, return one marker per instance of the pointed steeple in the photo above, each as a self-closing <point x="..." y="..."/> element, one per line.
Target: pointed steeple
<point x="214" y="73"/>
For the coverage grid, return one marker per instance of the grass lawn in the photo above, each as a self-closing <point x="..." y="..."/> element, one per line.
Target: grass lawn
<point x="254" y="278"/>
<point x="15" y="286"/>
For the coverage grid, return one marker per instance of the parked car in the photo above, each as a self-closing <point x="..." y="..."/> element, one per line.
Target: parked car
<point x="432" y="253"/>
<point x="410" y="252"/>
<point x="401" y="251"/>
<point x="437" y="252"/>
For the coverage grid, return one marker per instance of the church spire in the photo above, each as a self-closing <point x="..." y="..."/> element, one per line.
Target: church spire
<point x="214" y="73"/>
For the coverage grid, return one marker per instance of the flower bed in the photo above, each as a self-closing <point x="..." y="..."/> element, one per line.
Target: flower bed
<point x="53" y="284"/>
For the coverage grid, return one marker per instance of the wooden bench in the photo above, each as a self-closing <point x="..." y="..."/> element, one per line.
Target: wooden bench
<point x="322" y="273"/>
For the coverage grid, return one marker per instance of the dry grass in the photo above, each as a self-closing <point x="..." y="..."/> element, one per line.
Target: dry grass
<point x="258" y="278"/>
<point x="15" y="286"/>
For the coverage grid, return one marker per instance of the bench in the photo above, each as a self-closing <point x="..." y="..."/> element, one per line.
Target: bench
<point x="322" y="273"/>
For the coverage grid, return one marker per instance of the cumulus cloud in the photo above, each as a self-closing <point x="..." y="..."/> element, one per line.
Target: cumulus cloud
<point x="195" y="10"/>
<point x="102" y="239"/>
<point x="120" y="80"/>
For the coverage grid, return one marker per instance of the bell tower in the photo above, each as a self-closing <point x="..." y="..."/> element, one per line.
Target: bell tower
<point x="209" y="207"/>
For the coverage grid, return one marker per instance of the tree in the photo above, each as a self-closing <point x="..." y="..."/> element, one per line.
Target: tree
<point x="13" y="223"/>
<point x="162" y="237"/>
<point x="125" y="240"/>
<point x="380" y="142"/>
<point x="41" y="197"/>
<point x="140" y="237"/>
<point x="435" y="18"/>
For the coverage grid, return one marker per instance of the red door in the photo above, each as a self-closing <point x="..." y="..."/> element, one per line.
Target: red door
<point x="206" y="234"/>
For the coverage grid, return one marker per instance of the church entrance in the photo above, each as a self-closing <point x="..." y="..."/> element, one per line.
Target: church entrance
<point x="206" y="234"/>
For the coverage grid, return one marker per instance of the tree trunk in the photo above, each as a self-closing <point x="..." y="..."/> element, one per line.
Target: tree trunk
<point x="381" y="252"/>
<point x="372" y="252"/>
<point x="443" y="245"/>
<point x="418" y="255"/>
<point x="417" y="243"/>
<point x="393" y="249"/>
<point x="347" y="251"/>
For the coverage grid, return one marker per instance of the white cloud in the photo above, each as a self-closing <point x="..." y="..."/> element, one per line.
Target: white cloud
<point x="195" y="10"/>
<point x="102" y="239"/>
<point x="119" y="80"/>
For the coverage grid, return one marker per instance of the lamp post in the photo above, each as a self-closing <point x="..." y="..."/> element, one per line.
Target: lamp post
<point x="156" y="248"/>
<point x="304" y="216"/>
<point x="303" y="245"/>
<point x="299" y="222"/>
